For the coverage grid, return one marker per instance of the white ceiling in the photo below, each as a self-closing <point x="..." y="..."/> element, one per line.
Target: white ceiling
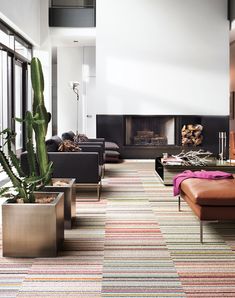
<point x="65" y="37"/>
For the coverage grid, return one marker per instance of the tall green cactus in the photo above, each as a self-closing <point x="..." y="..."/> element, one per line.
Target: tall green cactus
<point x="43" y="118"/>
<point x="37" y="121"/>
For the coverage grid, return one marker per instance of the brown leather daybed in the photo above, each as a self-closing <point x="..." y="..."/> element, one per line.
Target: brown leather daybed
<point x="209" y="199"/>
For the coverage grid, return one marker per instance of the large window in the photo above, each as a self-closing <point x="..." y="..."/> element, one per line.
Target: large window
<point x="3" y="90"/>
<point x="15" y="90"/>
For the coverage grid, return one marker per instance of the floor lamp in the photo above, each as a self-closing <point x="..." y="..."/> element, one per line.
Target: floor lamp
<point x="75" y="87"/>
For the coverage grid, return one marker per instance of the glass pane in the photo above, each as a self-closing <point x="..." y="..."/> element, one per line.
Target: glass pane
<point x="3" y="91"/>
<point x="4" y="38"/>
<point x="21" y="49"/>
<point x="29" y="54"/>
<point x="10" y="90"/>
<point x="12" y="42"/>
<point x="1" y="97"/>
<point x="29" y="91"/>
<point x="18" y="106"/>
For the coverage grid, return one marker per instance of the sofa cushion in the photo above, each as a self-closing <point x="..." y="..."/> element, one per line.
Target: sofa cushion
<point x="210" y="192"/>
<point x="68" y="135"/>
<point x="112" y="156"/>
<point x="53" y="143"/>
<point x="111" y="146"/>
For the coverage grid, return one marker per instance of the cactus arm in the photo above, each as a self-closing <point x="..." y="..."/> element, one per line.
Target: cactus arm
<point x="40" y="126"/>
<point x="41" y="149"/>
<point x="4" y="190"/>
<point x="16" y="163"/>
<point x="16" y="182"/>
<point x="29" y="144"/>
<point x="37" y="83"/>
<point x="14" y="160"/>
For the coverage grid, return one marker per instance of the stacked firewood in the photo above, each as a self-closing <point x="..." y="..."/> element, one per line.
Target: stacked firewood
<point x="148" y="137"/>
<point x="143" y="137"/>
<point x="192" y="134"/>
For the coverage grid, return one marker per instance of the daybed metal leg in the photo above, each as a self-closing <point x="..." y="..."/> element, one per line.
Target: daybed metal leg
<point x="179" y="203"/>
<point x="201" y="231"/>
<point x="98" y="192"/>
<point x="99" y="187"/>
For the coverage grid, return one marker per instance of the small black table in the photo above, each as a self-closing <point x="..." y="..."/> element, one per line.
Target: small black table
<point x="166" y="172"/>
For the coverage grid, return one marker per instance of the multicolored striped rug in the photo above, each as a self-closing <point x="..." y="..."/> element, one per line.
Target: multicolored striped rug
<point x="133" y="243"/>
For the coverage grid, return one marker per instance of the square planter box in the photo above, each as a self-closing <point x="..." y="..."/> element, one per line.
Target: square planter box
<point x="33" y="230"/>
<point x="69" y="191"/>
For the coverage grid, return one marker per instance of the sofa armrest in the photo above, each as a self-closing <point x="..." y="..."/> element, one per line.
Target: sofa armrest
<point x="101" y="144"/>
<point x="93" y="148"/>
<point x="96" y="140"/>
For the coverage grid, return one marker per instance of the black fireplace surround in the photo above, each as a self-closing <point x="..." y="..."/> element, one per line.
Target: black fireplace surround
<point x="148" y="136"/>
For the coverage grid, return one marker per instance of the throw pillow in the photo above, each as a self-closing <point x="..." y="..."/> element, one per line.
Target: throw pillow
<point x="53" y="143"/>
<point x="68" y="146"/>
<point x="80" y="138"/>
<point x="68" y="136"/>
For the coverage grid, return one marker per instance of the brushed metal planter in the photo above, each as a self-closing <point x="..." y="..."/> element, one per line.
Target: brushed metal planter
<point x="33" y="230"/>
<point x="69" y="191"/>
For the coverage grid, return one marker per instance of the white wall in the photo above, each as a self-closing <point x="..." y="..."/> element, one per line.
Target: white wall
<point x="69" y="68"/>
<point x="162" y="57"/>
<point x="89" y="90"/>
<point x="76" y="64"/>
<point x="44" y="54"/>
<point x="23" y="16"/>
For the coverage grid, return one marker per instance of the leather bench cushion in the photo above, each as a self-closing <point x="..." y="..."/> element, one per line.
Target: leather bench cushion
<point x="211" y="212"/>
<point x="210" y="192"/>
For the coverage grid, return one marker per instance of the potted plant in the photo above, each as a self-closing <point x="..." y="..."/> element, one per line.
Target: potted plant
<point x="32" y="222"/>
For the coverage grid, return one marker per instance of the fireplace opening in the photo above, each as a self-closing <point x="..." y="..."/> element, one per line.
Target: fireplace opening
<point x="150" y="130"/>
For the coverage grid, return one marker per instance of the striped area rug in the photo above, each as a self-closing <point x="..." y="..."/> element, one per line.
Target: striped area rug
<point x="133" y="243"/>
<point x="137" y="262"/>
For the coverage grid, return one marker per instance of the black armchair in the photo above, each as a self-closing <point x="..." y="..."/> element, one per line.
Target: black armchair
<point x="87" y="144"/>
<point x="83" y="166"/>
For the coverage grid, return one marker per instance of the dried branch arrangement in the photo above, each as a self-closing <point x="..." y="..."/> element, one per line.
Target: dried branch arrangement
<point x="194" y="158"/>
